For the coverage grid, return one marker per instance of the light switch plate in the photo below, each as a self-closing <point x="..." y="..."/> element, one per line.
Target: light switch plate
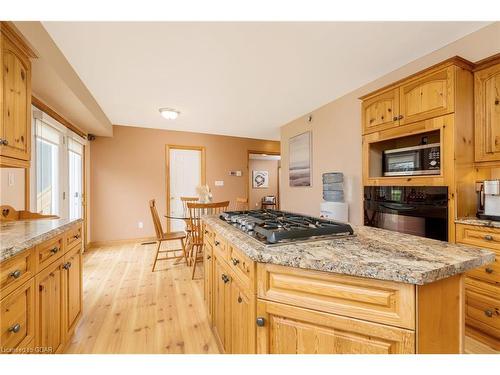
<point x="219" y="183"/>
<point x="11" y="179"/>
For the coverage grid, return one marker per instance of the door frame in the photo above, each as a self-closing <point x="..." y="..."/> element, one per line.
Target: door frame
<point x="203" y="176"/>
<point x="248" y="174"/>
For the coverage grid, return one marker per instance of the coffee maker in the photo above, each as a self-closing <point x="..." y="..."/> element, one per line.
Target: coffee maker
<point x="488" y="193"/>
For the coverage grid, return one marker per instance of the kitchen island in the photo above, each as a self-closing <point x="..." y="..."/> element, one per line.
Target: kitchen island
<point x="374" y="292"/>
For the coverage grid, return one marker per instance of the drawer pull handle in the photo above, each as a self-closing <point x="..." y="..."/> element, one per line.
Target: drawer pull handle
<point x="15" y="328"/>
<point x="488" y="237"/>
<point x="217" y="243"/>
<point x="225" y="279"/>
<point x="488" y="270"/>
<point x="54" y="250"/>
<point x="488" y="313"/>
<point x="76" y="236"/>
<point x="235" y="261"/>
<point x="240" y="300"/>
<point x="67" y="266"/>
<point x="16" y="274"/>
<point x="209" y="257"/>
<point x="260" y="322"/>
<point x="206" y="231"/>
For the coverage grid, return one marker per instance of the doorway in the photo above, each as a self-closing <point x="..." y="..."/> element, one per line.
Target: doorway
<point x="185" y="171"/>
<point x="263" y="179"/>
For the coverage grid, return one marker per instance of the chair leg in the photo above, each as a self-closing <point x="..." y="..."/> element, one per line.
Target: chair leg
<point x="156" y="256"/>
<point x="183" y="244"/>
<point x="194" y="261"/>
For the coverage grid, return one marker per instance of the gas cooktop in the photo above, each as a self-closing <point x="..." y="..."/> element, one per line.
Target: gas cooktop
<point x="279" y="227"/>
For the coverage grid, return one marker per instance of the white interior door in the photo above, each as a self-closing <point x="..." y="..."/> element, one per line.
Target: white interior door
<point x="185" y="176"/>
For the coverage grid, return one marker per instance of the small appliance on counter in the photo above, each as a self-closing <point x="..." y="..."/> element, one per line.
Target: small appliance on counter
<point x="488" y="200"/>
<point x="423" y="159"/>
<point x="334" y="207"/>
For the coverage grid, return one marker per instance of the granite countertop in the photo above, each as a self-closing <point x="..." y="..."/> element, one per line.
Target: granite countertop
<point x="17" y="236"/>
<point x="372" y="253"/>
<point x="478" y="222"/>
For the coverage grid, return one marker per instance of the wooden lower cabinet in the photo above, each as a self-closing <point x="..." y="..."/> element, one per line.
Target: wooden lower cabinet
<point x="242" y="318"/>
<point x="49" y="308"/>
<point x="40" y="315"/>
<point x="208" y="274"/>
<point x="221" y="310"/>
<point x="288" y="329"/>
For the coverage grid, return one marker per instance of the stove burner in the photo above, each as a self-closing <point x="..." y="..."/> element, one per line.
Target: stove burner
<point x="273" y="227"/>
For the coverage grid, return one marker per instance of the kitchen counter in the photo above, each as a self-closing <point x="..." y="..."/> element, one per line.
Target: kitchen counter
<point x="478" y="222"/>
<point x="17" y="236"/>
<point x="372" y="253"/>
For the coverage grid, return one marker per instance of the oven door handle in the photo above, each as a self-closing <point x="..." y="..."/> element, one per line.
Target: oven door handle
<point x="399" y="208"/>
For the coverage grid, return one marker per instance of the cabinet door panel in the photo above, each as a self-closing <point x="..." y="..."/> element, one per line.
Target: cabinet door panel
<point x="49" y="308"/>
<point x="242" y="321"/>
<point x="208" y="279"/>
<point x="293" y="330"/>
<point x="487" y="114"/>
<point x="221" y="309"/>
<point x="381" y="111"/>
<point x="427" y="97"/>
<point x="15" y="128"/>
<point x="72" y="289"/>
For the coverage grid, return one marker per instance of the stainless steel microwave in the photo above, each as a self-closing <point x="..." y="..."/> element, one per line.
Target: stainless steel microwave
<point x="411" y="161"/>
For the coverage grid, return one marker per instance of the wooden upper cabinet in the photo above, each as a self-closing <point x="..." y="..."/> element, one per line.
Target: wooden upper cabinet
<point x="487" y="113"/>
<point x="381" y="111"/>
<point x="15" y="128"/>
<point x="427" y="97"/>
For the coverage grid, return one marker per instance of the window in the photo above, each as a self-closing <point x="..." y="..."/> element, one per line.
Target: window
<point x="56" y="168"/>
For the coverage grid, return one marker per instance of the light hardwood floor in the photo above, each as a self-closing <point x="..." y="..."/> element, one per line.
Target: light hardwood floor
<point x="129" y="309"/>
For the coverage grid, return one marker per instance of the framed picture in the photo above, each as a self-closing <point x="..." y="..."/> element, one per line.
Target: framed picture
<point x="300" y="160"/>
<point x="260" y="179"/>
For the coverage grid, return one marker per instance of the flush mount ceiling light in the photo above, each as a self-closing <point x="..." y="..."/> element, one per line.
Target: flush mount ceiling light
<point x="169" y="113"/>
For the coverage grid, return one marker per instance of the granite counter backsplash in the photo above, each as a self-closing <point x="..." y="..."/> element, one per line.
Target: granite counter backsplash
<point x="372" y="253"/>
<point x="17" y="236"/>
<point x="478" y="222"/>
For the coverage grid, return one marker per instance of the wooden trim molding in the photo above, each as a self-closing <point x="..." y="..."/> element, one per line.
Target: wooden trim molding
<point x="487" y="62"/>
<point x="56" y="116"/>
<point x="8" y="28"/>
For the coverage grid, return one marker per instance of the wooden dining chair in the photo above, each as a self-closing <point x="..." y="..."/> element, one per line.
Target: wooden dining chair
<point x="185" y="213"/>
<point x="241" y="204"/>
<point x="196" y="212"/>
<point x="162" y="236"/>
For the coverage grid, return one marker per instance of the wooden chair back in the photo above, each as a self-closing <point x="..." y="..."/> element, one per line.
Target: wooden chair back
<point x="185" y="201"/>
<point x="196" y="211"/>
<point x="156" y="219"/>
<point x="9" y="213"/>
<point x="241" y="204"/>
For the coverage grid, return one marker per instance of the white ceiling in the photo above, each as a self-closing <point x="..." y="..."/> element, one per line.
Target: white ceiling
<point x="241" y="79"/>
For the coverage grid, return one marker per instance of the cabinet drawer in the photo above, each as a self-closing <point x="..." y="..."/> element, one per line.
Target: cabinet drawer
<point x="220" y="247"/>
<point x="478" y="236"/>
<point x="489" y="272"/>
<point x="73" y="236"/>
<point x="208" y="234"/>
<point x="48" y="252"/>
<point x="242" y="266"/>
<point x="374" y="300"/>
<point x="483" y="312"/>
<point x="16" y="271"/>
<point x="17" y="319"/>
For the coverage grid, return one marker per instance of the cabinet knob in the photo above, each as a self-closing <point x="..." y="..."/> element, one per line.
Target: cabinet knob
<point x="488" y="270"/>
<point x="395" y="118"/>
<point x="240" y="300"/>
<point x="54" y="250"/>
<point x="15" y="328"/>
<point x="76" y="236"/>
<point x="235" y="261"/>
<point x="260" y="321"/>
<point x="67" y="266"/>
<point x="488" y="313"/>
<point x="488" y="237"/>
<point x="4" y="142"/>
<point x="15" y="274"/>
<point x="209" y="257"/>
<point x="217" y="243"/>
<point x="400" y="117"/>
<point x="225" y="279"/>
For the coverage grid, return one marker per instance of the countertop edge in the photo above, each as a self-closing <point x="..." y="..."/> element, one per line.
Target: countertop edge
<point x="425" y="278"/>
<point x="8" y="253"/>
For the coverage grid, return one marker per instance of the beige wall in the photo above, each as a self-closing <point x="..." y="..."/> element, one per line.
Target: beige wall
<point x="129" y="169"/>
<point x="336" y="128"/>
<point x="12" y="195"/>
<point x="256" y="194"/>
